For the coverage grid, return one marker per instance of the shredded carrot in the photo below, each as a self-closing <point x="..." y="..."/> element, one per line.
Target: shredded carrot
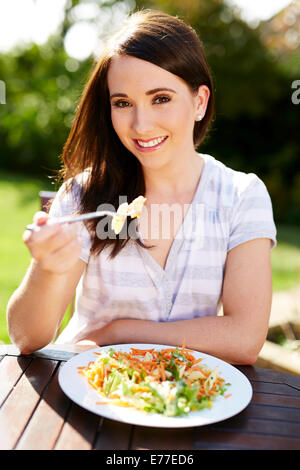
<point x="123" y="403"/>
<point x="159" y="368"/>
<point x="141" y="352"/>
<point x="200" y="370"/>
<point x="198" y="360"/>
<point x="189" y="357"/>
<point x="163" y="373"/>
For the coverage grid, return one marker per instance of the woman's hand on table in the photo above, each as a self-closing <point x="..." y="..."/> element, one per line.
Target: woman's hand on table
<point x="104" y="336"/>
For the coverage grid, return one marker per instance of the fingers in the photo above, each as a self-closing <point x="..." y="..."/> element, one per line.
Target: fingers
<point x="44" y="232"/>
<point x="62" y="259"/>
<point x="53" y="244"/>
<point x="40" y="218"/>
<point x="67" y="234"/>
<point x="51" y="238"/>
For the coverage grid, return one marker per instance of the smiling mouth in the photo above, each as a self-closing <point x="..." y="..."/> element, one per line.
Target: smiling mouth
<point x="150" y="143"/>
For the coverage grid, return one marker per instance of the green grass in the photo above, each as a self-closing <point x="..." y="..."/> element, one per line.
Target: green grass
<point x="19" y="200"/>
<point x="286" y="258"/>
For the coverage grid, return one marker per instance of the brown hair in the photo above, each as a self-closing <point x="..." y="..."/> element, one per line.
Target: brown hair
<point x="165" y="41"/>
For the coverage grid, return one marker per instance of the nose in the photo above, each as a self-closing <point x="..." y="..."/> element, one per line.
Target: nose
<point x="142" y="122"/>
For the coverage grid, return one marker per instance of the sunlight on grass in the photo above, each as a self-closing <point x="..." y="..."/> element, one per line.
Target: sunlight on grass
<point x="286" y="264"/>
<point x="19" y="200"/>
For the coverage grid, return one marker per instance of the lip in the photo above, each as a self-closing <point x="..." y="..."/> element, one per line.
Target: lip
<point x="148" y="149"/>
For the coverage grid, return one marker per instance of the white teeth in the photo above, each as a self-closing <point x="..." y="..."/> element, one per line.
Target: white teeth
<point x="151" y="143"/>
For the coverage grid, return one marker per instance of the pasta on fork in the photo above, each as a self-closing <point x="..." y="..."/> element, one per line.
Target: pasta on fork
<point x="133" y="210"/>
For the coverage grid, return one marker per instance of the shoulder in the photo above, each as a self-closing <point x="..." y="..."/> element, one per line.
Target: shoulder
<point x="226" y="187"/>
<point x="68" y="196"/>
<point x="73" y="186"/>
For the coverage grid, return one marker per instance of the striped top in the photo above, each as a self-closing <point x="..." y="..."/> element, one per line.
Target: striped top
<point x="228" y="208"/>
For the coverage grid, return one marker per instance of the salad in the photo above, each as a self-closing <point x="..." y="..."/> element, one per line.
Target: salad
<point x="170" y="381"/>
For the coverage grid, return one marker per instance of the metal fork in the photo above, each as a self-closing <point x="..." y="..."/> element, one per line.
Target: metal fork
<point x="70" y="219"/>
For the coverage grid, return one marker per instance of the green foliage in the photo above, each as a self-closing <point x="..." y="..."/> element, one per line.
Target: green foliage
<point x="255" y="128"/>
<point x="43" y="86"/>
<point x="256" y="125"/>
<point x="18" y="202"/>
<point x="286" y="258"/>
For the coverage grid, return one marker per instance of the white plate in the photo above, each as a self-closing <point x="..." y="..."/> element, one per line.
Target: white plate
<point x="76" y="387"/>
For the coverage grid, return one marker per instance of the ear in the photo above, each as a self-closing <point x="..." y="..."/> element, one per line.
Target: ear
<point x="201" y="101"/>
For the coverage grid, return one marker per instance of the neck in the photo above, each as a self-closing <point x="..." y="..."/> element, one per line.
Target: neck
<point x="174" y="180"/>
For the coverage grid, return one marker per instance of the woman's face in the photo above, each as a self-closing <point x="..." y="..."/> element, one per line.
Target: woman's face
<point x="153" y="111"/>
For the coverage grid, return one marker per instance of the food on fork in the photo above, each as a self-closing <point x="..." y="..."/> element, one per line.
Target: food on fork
<point x="133" y="210"/>
<point x="119" y="218"/>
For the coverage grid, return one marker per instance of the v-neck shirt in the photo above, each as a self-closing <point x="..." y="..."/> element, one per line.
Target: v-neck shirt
<point x="228" y="208"/>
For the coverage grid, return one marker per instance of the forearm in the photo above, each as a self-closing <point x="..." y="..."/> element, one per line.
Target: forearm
<point x="219" y="336"/>
<point x="36" y="308"/>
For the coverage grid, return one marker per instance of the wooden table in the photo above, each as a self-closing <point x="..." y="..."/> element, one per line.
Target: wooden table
<point x="36" y="414"/>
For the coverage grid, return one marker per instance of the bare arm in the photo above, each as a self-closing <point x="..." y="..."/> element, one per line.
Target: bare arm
<point x="36" y="308"/>
<point x="238" y="335"/>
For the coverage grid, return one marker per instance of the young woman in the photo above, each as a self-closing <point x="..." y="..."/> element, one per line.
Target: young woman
<point x="145" y="109"/>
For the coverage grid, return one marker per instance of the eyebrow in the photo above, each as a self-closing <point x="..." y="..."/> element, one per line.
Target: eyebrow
<point x="149" y="92"/>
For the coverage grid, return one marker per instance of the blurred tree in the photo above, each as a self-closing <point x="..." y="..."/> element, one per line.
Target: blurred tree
<point x="256" y="124"/>
<point x="43" y="87"/>
<point x="255" y="127"/>
<point x="281" y="35"/>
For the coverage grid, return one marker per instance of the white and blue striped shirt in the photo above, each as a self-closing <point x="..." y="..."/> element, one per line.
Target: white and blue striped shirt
<point x="234" y="207"/>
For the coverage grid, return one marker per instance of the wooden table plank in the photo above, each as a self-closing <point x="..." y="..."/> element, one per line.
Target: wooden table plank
<point x="35" y="413"/>
<point x="52" y="351"/>
<point x="279" y="413"/>
<point x="79" y="430"/>
<point x="244" y="423"/>
<point x="162" y="439"/>
<point x="275" y="388"/>
<point x="276" y="400"/>
<point x="11" y="370"/>
<point x="113" y="435"/>
<point x="259" y="374"/>
<point x="258" y="430"/>
<point x="19" y="406"/>
<point x="211" y="439"/>
<point x="48" y="419"/>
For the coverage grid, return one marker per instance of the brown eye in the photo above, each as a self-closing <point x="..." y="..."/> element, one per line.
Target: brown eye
<point x="162" y="99"/>
<point x="121" y="104"/>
